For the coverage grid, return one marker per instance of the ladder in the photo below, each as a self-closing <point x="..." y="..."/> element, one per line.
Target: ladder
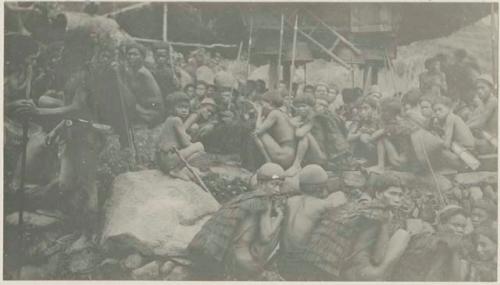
<point x="319" y="42"/>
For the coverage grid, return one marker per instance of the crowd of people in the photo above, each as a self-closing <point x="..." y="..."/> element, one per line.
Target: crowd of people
<point x="311" y="133"/>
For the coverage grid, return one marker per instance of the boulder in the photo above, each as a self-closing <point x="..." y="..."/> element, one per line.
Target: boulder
<point x="150" y="271"/>
<point x="476" y="178"/>
<point x="153" y="213"/>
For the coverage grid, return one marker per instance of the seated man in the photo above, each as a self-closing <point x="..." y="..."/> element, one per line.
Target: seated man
<point x="238" y="240"/>
<point x="173" y="137"/>
<point x="149" y="108"/>
<point x="484" y="265"/>
<point x="484" y="119"/>
<point x="303" y="214"/>
<point x="360" y="242"/>
<point x="436" y="256"/>
<point x="274" y="133"/>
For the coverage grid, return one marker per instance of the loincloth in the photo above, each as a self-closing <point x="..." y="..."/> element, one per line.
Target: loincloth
<point x="167" y="160"/>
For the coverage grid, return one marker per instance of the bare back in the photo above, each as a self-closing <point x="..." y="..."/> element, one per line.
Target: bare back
<point x="303" y="213"/>
<point x="168" y="136"/>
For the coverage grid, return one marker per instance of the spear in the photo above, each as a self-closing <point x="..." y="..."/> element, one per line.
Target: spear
<point x="292" y="67"/>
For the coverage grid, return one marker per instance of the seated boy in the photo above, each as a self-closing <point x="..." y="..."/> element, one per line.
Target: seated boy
<point x="307" y="143"/>
<point x="365" y="132"/>
<point x="200" y="123"/>
<point x="484" y="260"/>
<point x="303" y="214"/>
<point x="173" y="136"/>
<point x="274" y="134"/>
<point x="454" y="128"/>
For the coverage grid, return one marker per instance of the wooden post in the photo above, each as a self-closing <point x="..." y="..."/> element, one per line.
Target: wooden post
<point x="292" y="65"/>
<point x="249" y="47"/>
<point x="494" y="44"/>
<point x="165" y="25"/>
<point x="280" y="51"/>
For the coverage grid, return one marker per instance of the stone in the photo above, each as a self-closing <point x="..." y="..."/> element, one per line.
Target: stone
<point x="178" y="273"/>
<point x="150" y="271"/>
<point x="476" y="178"/>
<point x="133" y="261"/>
<point x="84" y="261"/>
<point x="153" y="213"/>
<point x="166" y="268"/>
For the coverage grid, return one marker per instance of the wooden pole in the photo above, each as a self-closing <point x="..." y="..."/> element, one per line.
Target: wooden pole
<point x="292" y="66"/>
<point x="249" y="47"/>
<point x="165" y="25"/>
<point x="494" y="44"/>
<point x="280" y="51"/>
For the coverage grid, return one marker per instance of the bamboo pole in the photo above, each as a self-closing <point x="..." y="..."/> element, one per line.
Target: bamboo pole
<point x="280" y="51"/>
<point x="294" y="44"/>
<point x="249" y="47"/>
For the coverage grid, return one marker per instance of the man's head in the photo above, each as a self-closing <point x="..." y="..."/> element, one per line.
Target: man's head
<point x="179" y="104"/>
<point x="321" y="90"/>
<point x="207" y="107"/>
<point x="211" y="90"/>
<point x="312" y="181"/>
<point x="304" y="105"/>
<point x="484" y="87"/>
<point x="432" y="64"/>
<point x="201" y="89"/>
<point x="425" y="103"/>
<point x="308" y="90"/>
<point x="367" y="108"/>
<point x="411" y="98"/>
<point x="321" y="104"/>
<point x="270" y="177"/>
<point x="135" y="55"/>
<point x="271" y="100"/>
<point x="452" y="218"/>
<point x="161" y="54"/>
<point x="189" y="90"/>
<point x="333" y="92"/>
<point x="226" y="95"/>
<point x="389" y="108"/>
<point x="442" y="107"/>
<point x="260" y="86"/>
<point x="386" y="189"/>
<point x="483" y="213"/>
<point x="374" y="92"/>
<point x="485" y="241"/>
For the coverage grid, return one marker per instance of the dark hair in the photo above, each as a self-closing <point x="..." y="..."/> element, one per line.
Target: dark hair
<point x="428" y="62"/>
<point x="201" y="82"/>
<point x="427" y="98"/>
<point x="351" y="95"/>
<point x="272" y="97"/>
<point x="444" y="101"/>
<point x="308" y="86"/>
<point x="188" y="85"/>
<point x="304" y="99"/>
<point x="370" y="101"/>
<point x="173" y="99"/>
<point x="445" y="216"/>
<point x="377" y="183"/>
<point x="390" y="107"/>
<point x="139" y="47"/>
<point x="412" y="97"/>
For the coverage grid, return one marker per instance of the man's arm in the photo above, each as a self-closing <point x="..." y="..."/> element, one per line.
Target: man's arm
<point x="268" y="224"/>
<point x="302" y="131"/>
<point x="263" y="125"/>
<point x="182" y="137"/>
<point x="483" y="116"/>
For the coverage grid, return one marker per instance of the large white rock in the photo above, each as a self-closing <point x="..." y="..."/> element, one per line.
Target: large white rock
<point x="161" y="213"/>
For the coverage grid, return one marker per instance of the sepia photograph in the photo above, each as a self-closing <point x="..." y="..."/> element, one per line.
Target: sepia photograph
<point x="250" y="141"/>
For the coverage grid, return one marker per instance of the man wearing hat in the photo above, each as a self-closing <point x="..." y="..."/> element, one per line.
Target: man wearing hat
<point x="485" y="116"/>
<point x="238" y="240"/>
